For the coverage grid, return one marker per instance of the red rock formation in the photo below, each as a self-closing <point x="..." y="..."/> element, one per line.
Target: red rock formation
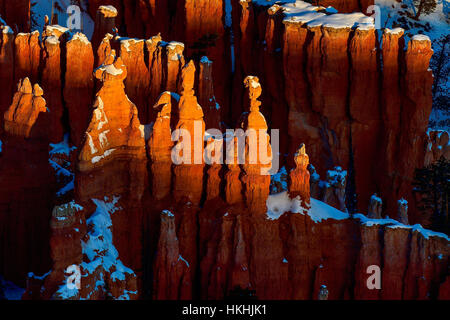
<point x="16" y="14"/>
<point x="346" y="5"/>
<point x="258" y="153"/>
<point x="22" y="115"/>
<point x="416" y="109"/>
<point x="364" y="111"/>
<point x="375" y="207"/>
<point x="334" y="191"/>
<point x="175" y="63"/>
<point x="233" y="184"/>
<point x="85" y="263"/>
<point x="51" y="83"/>
<point x="327" y="71"/>
<point x="105" y="22"/>
<point x="213" y="184"/>
<point x="27" y="56"/>
<point x="6" y="67"/>
<point x="392" y="51"/>
<point x="402" y="211"/>
<point x="438" y="146"/>
<point x="160" y="147"/>
<point x="68" y="227"/>
<point x="155" y="60"/>
<point x="112" y="160"/>
<point x="299" y="177"/>
<point x="188" y="181"/>
<point x="137" y="83"/>
<point x="114" y="127"/>
<point x="26" y="191"/>
<point x="78" y="84"/>
<point x="104" y="49"/>
<point x="369" y="255"/>
<point x="206" y="96"/>
<point x="171" y="276"/>
<point x="320" y="78"/>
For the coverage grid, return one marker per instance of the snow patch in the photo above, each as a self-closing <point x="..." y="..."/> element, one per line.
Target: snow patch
<point x="420" y="37"/>
<point x="104" y="155"/>
<point x="391" y="223"/>
<point x="280" y="203"/>
<point x="99" y="248"/>
<point x="91" y="144"/>
<point x="61" y="147"/>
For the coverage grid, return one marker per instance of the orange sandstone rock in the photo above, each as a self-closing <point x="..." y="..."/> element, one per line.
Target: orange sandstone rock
<point x="137" y="82"/>
<point x="79" y="83"/>
<point x="160" y="147"/>
<point x="51" y="83"/>
<point x="299" y="177"/>
<point x="27" y="56"/>
<point x="27" y="106"/>
<point x="258" y="153"/>
<point x="171" y="271"/>
<point x="114" y="128"/>
<point x="206" y="95"/>
<point x="6" y="67"/>
<point x="189" y="175"/>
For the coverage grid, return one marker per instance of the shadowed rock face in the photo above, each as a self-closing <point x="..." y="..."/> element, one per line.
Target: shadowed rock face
<point x="200" y="230"/>
<point x="16" y="13"/>
<point x="27" y="185"/>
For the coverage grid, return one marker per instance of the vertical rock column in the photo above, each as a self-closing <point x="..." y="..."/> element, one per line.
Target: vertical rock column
<point x="6" y="68"/>
<point x="302" y="121"/>
<point x="299" y="177"/>
<point x="160" y="146"/>
<point x="258" y="153"/>
<point x="392" y="52"/>
<point x="27" y="56"/>
<point x="233" y="184"/>
<point x="175" y="62"/>
<point x="68" y="227"/>
<point x="16" y="13"/>
<point x="105" y="22"/>
<point x="171" y="271"/>
<point x="328" y="73"/>
<point x="189" y="177"/>
<point x="112" y="160"/>
<point x="78" y="86"/>
<point x="364" y="110"/>
<point x="206" y="96"/>
<point x="26" y="192"/>
<point x="51" y="83"/>
<point x="155" y="51"/>
<point x="137" y="83"/>
<point x="416" y="108"/>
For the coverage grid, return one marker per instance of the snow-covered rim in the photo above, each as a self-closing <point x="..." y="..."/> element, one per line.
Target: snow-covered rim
<point x="280" y="203"/>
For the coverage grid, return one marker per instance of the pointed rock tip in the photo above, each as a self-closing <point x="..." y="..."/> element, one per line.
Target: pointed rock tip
<point x="25" y="86"/>
<point x="37" y="90"/>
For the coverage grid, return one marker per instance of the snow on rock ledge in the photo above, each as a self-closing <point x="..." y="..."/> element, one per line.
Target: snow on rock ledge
<point x="280" y="203"/>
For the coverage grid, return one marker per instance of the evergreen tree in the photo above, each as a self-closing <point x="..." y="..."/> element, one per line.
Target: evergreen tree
<point x="424" y="7"/>
<point x="440" y="64"/>
<point x="432" y="184"/>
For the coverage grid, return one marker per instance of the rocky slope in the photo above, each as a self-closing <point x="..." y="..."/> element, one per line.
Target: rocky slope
<point x="103" y="193"/>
